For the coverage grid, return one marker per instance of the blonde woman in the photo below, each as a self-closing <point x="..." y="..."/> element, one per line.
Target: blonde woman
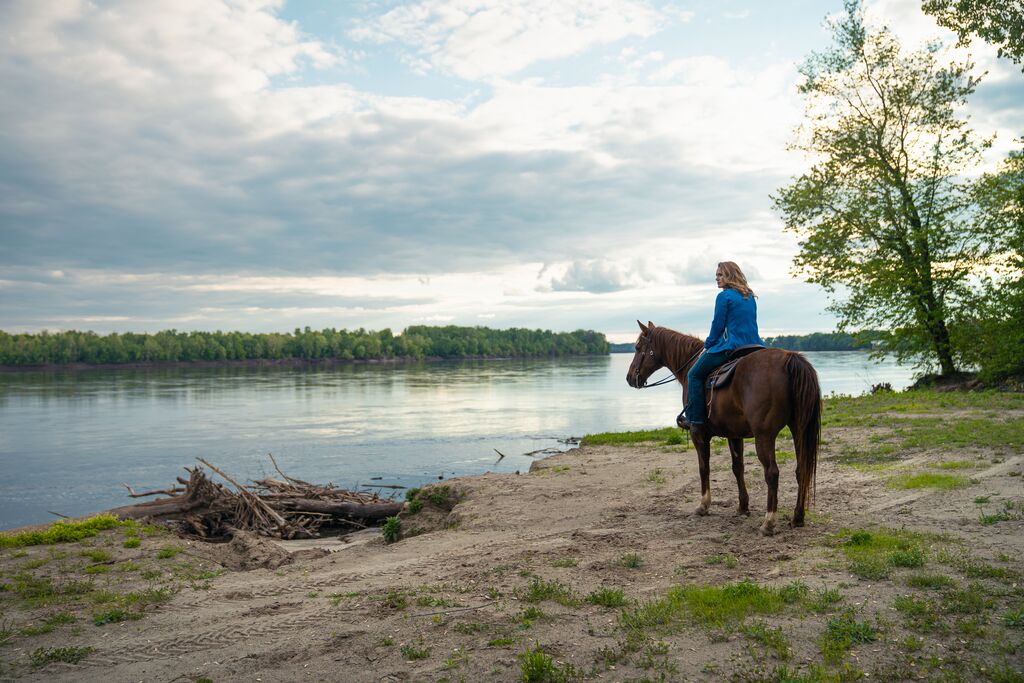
<point x="734" y="325"/>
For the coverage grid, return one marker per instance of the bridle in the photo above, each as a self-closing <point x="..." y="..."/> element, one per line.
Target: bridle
<point x="649" y="350"/>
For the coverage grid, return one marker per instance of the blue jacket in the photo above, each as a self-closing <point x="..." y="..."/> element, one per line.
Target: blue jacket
<point x="735" y="322"/>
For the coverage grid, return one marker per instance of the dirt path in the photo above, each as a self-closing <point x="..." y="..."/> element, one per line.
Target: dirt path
<point x="449" y="604"/>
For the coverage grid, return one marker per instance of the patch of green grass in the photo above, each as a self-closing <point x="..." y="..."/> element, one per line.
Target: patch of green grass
<point x="392" y="529"/>
<point x="824" y="600"/>
<point x="772" y="639"/>
<point x="565" y="562"/>
<point x="927" y="480"/>
<point x="536" y="666"/>
<point x="1014" y="619"/>
<point x="467" y="628"/>
<point x="431" y="601"/>
<point x="501" y="642"/>
<point x="930" y="581"/>
<point x="877" y="409"/>
<point x="667" y="436"/>
<point x="414" y="651"/>
<point x="97" y="555"/>
<point x="167" y="553"/>
<point x="656" y="476"/>
<point x="554" y="591"/>
<point x="49" y="624"/>
<point x="529" y="615"/>
<point x="973" y="599"/>
<point x="47" y="655"/>
<point x="957" y="465"/>
<point x="632" y="561"/>
<point x="133" y="542"/>
<point x="97" y="569"/>
<point x="395" y="600"/>
<point x="872" y="554"/>
<point x="607" y="597"/>
<point x="61" y="531"/>
<point x="842" y="632"/>
<point x="707" y="606"/>
<point x="114" y="616"/>
<point x="920" y="614"/>
<point x="1012" y="510"/>
<point x="728" y="560"/>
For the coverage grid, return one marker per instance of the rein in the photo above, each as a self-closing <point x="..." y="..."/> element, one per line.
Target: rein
<point x="672" y="377"/>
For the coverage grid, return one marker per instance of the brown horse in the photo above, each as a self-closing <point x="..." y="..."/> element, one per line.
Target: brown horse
<point x="770" y="389"/>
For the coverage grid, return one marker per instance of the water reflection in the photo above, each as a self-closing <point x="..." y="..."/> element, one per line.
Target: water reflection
<point x="68" y="439"/>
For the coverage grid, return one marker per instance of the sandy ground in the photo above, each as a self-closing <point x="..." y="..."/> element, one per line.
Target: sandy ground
<point x="454" y="595"/>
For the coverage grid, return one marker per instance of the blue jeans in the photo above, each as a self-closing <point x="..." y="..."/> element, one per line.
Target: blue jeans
<point x="696" y="411"/>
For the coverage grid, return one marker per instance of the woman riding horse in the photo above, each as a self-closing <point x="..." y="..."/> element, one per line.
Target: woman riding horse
<point x="734" y="325"/>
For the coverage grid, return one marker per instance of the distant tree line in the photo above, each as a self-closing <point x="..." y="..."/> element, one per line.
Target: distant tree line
<point x="307" y="344"/>
<point x="818" y="341"/>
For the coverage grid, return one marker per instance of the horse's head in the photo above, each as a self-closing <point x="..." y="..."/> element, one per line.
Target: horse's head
<point x="647" y="358"/>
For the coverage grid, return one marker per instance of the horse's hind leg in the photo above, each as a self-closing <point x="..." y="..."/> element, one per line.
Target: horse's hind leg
<point x="702" y="443"/>
<point x="736" y="450"/>
<point x="765" y="446"/>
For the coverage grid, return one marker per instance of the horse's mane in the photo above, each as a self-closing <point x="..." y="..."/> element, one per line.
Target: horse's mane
<point x="678" y="348"/>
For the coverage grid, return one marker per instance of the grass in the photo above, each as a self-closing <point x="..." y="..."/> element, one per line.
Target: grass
<point x="565" y="562"/>
<point x="554" y="591"/>
<point x="728" y="560"/>
<point x="392" y="529"/>
<point x="412" y="652"/>
<point x="632" y="561"/>
<point x="47" y="655"/>
<point x="536" y="666"/>
<point x="931" y="581"/>
<point x="926" y="480"/>
<point x="607" y="597"/>
<point x="709" y="606"/>
<point x="656" y="476"/>
<point x="668" y="436"/>
<point x="61" y="531"/>
<point x="842" y="633"/>
<point x="872" y="555"/>
<point x="772" y="639"/>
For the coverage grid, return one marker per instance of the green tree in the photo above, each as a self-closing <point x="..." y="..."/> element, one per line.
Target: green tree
<point x="885" y="217"/>
<point x="1000" y="22"/>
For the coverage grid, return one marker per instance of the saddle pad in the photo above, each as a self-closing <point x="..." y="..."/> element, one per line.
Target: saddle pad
<point x="721" y="375"/>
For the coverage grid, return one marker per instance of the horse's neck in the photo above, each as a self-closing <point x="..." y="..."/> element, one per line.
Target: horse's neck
<point x="681" y="351"/>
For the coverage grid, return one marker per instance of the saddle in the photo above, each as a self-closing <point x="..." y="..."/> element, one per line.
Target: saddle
<point x="721" y="375"/>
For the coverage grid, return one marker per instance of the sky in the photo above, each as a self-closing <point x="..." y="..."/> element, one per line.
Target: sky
<point x="264" y="165"/>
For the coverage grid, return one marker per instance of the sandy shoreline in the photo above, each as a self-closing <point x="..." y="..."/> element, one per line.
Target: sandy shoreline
<point x="449" y="603"/>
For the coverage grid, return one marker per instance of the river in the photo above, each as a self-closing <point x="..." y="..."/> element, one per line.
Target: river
<point x="69" y="439"/>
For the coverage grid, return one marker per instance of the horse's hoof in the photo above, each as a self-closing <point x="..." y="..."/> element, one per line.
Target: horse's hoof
<point x="795" y="523"/>
<point x="766" y="530"/>
<point x="701" y="511"/>
<point x="743" y="513"/>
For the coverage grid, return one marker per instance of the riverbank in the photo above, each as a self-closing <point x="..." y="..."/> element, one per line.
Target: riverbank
<point x="590" y="566"/>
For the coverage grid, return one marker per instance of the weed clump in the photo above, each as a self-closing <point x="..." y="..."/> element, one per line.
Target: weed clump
<point x="45" y="655"/>
<point x="607" y="597"/>
<point x="842" y="633"/>
<point x="392" y="529"/>
<point x="61" y="531"/>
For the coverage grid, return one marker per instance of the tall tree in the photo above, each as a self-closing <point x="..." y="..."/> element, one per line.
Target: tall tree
<point x="1000" y="22"/>
<point x="885" y="216"/>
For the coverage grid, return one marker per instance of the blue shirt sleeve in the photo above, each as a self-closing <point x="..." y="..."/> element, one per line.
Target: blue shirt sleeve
<point x="718" y="324"/>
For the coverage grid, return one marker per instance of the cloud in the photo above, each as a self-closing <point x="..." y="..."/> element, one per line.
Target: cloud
<point x="596" y="276"/>
<point x="484" y="39"/>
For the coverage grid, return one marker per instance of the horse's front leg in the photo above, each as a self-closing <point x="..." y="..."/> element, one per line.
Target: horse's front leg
<point x="765" y="446"/>
<point x="736" y="450"/>
<point x="702" y="444"/>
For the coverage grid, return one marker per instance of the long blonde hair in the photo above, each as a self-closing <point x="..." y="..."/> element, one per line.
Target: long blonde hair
<point x="733" y="278"/>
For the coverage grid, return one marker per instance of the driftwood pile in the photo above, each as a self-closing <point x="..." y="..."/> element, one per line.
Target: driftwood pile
<point x="281" y="508"/>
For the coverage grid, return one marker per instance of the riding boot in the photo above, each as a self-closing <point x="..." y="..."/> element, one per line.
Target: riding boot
<point x="686" y="424"/>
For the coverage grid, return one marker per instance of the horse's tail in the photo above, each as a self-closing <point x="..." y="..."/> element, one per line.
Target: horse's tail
<point x="805" y="397"/>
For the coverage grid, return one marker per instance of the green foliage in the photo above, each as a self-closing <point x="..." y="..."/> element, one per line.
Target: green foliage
<point x="60" y="532"/>
<point x="392" y="529"/>
<point x="993" y="20"/>
<point x="943" y="482"/>
<point x="771" y="638"/>
<point x="885" y="216"/>
<point x="632" y="561"/>
<point x="842" y="633"/>
<point x="824" y="341"/>
<point x="413" y="651"/>
<point x="114" y="616"/>
<point x="71" y="655"/>
<point x="871" y="555"/>
<point x="536" y="666"/>
<point x="668" y="436"/>
<point x="307" y="344"/>
<point x="133" y="542"/>
<point x="709" y="606"/>
<point x="555" y="591"/>
<point x="167" y="553"/>
<point x="607" y="597"/>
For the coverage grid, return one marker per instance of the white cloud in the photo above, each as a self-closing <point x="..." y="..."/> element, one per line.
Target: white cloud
<point x="483" y="39"/>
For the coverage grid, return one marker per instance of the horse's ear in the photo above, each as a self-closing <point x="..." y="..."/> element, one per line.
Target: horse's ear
<point x="642" y="328"/>
<point x="650" y="325"/>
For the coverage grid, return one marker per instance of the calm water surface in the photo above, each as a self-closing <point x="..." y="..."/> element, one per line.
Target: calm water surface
<point x="69" y="439"/>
